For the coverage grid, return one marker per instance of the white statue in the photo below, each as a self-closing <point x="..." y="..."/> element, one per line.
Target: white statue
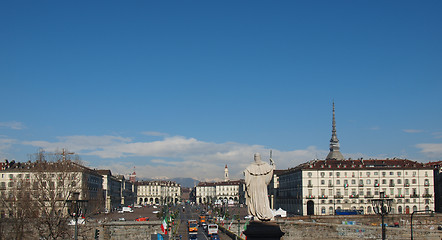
<point x="258" y="175"/>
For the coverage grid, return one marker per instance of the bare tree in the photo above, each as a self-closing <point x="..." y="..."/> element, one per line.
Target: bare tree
<point x="35" y="200"/>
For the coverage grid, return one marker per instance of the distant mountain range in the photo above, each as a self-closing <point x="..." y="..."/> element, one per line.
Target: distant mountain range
<point x="184" y="182"/>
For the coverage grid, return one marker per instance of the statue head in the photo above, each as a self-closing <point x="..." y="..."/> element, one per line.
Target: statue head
<point x="257" y="158"/>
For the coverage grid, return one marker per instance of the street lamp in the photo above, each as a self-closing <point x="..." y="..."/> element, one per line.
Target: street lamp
<point x="382" y="206"/>
<point x="411" y="225"/>
<point x="75" y="209"/>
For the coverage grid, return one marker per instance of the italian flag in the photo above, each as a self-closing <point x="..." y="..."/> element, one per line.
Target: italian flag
<point x="164" y="226"/>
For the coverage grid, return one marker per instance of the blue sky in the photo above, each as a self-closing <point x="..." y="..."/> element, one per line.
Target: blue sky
<point x="182" y="88"/>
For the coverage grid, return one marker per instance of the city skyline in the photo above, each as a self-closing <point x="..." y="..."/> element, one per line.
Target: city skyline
<point x="174" y="88"/>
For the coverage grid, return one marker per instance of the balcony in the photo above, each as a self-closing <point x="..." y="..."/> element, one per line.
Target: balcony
<point x="399" y="196"/>
<point x="361" y="184"/>
<point x="310" y="197"/>
<point x="346" y="185"/>
<point x="368" y="196"/>
<point x="406" y="185"/>
<point x="310" y="185"/>
<point x="322" y="197"/>
<point x="427" y="195"/>
<point x="354" y="196"/>
<point x="376" y="184"/>
<point x="339" y="196"/>
<point x="414" y="196"/>
<point x="426" y="184"/>
<point x="330" y="185"/>
<point x="391" y="185"/>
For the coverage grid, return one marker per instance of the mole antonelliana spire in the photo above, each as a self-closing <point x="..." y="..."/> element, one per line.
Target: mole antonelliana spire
<point x="334" y="153"/>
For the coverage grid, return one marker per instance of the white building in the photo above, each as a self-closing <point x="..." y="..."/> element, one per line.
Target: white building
<point x="158" y="192"/>
<point x="48" y="184"/>
<point x="320" y="187"/>
<point x="210" y="192"/>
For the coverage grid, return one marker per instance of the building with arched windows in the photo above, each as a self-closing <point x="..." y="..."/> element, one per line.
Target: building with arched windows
<point x="232" y="191"/>
<point x="320" y="187"/>
<point x="158" y="192"/>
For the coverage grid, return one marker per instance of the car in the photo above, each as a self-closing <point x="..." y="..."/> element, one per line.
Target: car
<point x="248" y="217"/>
<point x="214" y="237"/>
<point x="142" y="219"/>
<point x="193" y="237"/>
<point x="204" y="226"/>
<point x="121" y="219"/>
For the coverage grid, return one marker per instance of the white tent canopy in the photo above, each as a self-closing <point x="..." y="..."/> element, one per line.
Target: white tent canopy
<point x="279" y="212"/>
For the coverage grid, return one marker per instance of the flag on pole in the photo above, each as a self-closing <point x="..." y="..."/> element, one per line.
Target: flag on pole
<point x="164" y="226"/>
<point x="230" y="225"/>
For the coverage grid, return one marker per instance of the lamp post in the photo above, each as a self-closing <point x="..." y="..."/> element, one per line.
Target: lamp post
<point x="382" y="206"/>
<point x="75" y="210"/>
<point x="411" y="225"/>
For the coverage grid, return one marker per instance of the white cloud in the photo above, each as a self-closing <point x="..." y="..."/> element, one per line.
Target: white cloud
<point x="412" y="130"/>
<point x="176" y="156"/>
<point x="375" y="128"/>
<point x="12" y="125"/>
<point x="80" y="144"/>
<point x="431" y="149"/>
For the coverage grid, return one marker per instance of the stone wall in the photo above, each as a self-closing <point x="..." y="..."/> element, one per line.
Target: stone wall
<point x="362" y="227"/>
<point x="332" y="227"/>
<point x="121" y="230"/>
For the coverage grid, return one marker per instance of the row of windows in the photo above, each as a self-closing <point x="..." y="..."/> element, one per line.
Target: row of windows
<point x="368" y="174"/>
<point x="368" y="192"/>
<point x="368" y="181"/>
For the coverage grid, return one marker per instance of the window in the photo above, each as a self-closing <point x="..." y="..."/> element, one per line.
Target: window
<point x="338" y="174"/>
<point x="398" y="173"/>
<point x="338" y="182"/>
<point x="309" y="174"/>
<point x="384" y="174"/>
<point x="413" y="181"/>
<point x="384" y="181"/>
<point x="376" y="173"/>
<point x="322" y="182"/>
<point x="399" y="181"/>
<point x="368" y="181"/>
<point x="368" y="174"/>
<point x="322" y="174"/>
<point x="353" y="182"/>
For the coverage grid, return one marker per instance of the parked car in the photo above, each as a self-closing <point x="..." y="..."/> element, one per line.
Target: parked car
<point x="121" y="219"/>
<point x="214" y="237"/>
<point x="142" y="219"/>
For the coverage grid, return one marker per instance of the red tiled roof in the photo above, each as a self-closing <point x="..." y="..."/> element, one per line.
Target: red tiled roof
<point x="359" y="164"/>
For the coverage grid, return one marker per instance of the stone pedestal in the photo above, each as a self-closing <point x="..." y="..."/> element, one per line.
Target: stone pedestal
<point x="263" y="230"/>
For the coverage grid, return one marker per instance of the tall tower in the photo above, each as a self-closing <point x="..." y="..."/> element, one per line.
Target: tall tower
<point x="226" y="174"/>
<point x="334" y="153"/>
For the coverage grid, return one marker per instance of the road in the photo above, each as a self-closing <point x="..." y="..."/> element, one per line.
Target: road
<point x="192" y="212"/>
